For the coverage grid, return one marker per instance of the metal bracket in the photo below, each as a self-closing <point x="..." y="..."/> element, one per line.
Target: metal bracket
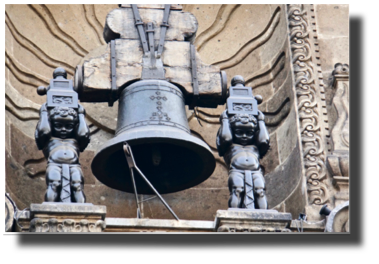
<point x="150" y="34"/>
<point x="132" y="164"/>
<point x="164" y="27"/>
<point x="141" y="31"/>
<point x="113" y="94"/>
<point x="195" y="83"/>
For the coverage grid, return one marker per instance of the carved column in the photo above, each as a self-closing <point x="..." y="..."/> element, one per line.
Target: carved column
<point x="338" y="159"/>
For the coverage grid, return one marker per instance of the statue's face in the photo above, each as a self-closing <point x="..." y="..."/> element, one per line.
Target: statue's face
<point x="63" y="127"/>
<point x="243" y="134"/>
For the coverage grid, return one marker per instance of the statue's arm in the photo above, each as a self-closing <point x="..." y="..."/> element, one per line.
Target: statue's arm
<point x="263" y="137"/>
<point x="43" y="129"/>
<point x="82" y="132"/>
<point x="224" y="135"/>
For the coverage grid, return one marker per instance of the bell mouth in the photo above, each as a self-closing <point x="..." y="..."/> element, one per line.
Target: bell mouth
<point x="171" y="159"/>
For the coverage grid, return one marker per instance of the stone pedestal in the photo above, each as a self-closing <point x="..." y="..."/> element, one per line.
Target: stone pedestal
<point x="67" y="217"/>
<point x="244" y="220"/>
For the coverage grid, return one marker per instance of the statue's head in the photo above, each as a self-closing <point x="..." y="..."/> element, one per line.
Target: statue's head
<point x="63" y="121"/>
<point x="243" y="128"/>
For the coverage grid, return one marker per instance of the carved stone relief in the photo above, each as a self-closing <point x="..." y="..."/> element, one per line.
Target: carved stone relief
<point x="52" y="225"/>
<point x="309" y="91"/>
<point x="338" y="159"/>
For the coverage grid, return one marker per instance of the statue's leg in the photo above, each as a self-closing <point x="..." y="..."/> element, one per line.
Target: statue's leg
<point x="236" y="188"/>
<point x="53" y="182"/>
<point x="77" y="184"/>
<point x="260" y="190"/>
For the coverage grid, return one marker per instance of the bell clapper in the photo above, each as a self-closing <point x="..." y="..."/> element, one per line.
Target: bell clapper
<point x="156" y="155"/>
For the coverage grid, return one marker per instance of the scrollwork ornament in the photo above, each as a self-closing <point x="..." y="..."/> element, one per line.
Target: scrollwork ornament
<point x="313" y="152"/>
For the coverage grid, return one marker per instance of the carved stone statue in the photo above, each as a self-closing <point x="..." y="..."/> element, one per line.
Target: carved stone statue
<point x="62" y="134"/>
<point x="242" y="140"/>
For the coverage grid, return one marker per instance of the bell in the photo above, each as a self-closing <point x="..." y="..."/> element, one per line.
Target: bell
<point x="153" y="121"/>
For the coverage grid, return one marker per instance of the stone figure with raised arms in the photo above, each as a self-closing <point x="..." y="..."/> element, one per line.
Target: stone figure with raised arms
<point x="242" y="140"/>
<point x="62" y="134"/>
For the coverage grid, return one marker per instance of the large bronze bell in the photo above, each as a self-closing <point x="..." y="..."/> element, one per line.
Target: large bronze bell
<point x="152" y="120"/>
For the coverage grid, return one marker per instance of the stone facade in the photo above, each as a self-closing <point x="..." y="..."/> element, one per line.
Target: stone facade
<point x="286" y="53"/>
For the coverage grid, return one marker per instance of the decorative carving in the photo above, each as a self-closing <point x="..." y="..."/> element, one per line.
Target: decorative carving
<point x="237" y="220"/>
<point x="341" y="70"/>
<point x="249" y="229"/>
<point x="340" y="132"/>
<point x="53" y="225"/>
<point x="242" y="140"/>
<point x="62" y="133"/>
<point x="308" y="107"/>
<point x="338" y="160"/>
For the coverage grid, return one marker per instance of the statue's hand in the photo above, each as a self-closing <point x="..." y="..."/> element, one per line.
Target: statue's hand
<point x="224" y="116"/>
<point x="81" y="110"/>
<point x="43" y="108"/>
<point x="261" y="116"/>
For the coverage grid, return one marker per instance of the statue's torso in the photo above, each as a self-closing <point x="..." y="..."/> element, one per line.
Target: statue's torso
<point x="62" y="151"/>
<point x="242" y="157"/>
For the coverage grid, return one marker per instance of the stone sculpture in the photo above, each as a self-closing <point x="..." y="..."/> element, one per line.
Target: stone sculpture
<point x="242" y="140"/>
<point x="62" y="134"/>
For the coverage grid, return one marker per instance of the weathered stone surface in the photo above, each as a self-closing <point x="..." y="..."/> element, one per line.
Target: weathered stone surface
<point x="271" y="160"/>
<point x="155" y="225"/>
<point x="22" y="188"/>
<point x="288" y="172"/>
<point x="68" y="209"/>
<point x="298" y="226"/>
<point x="287" y="136"/>
<point x="191" y="204"/>
<point x="182" y="25"/>
<point x="331" y="20"/>
<point x="342" y="185"/>
<point x="333" y="51"/>
<point x="176" y="61"/>
<point x="67" y="218"/>
<point x="245" y="220"/>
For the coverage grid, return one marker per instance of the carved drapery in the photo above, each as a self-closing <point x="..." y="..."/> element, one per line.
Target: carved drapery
<point x="308" y="91"/>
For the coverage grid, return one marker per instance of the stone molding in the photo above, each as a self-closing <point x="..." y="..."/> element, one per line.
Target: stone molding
<point x="54" y="225"/>
<point x="338" y="160"/>
<point x="309" y="90"/>
<point x="67" y="218"/>
<point x="245" y="220"/>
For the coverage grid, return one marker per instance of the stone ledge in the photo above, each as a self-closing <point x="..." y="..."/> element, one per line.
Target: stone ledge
<point x="69" y="209"/>
<point x="246" y="220"/>
<point x="297" y="226"/>
<point x="157" y="225"/>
